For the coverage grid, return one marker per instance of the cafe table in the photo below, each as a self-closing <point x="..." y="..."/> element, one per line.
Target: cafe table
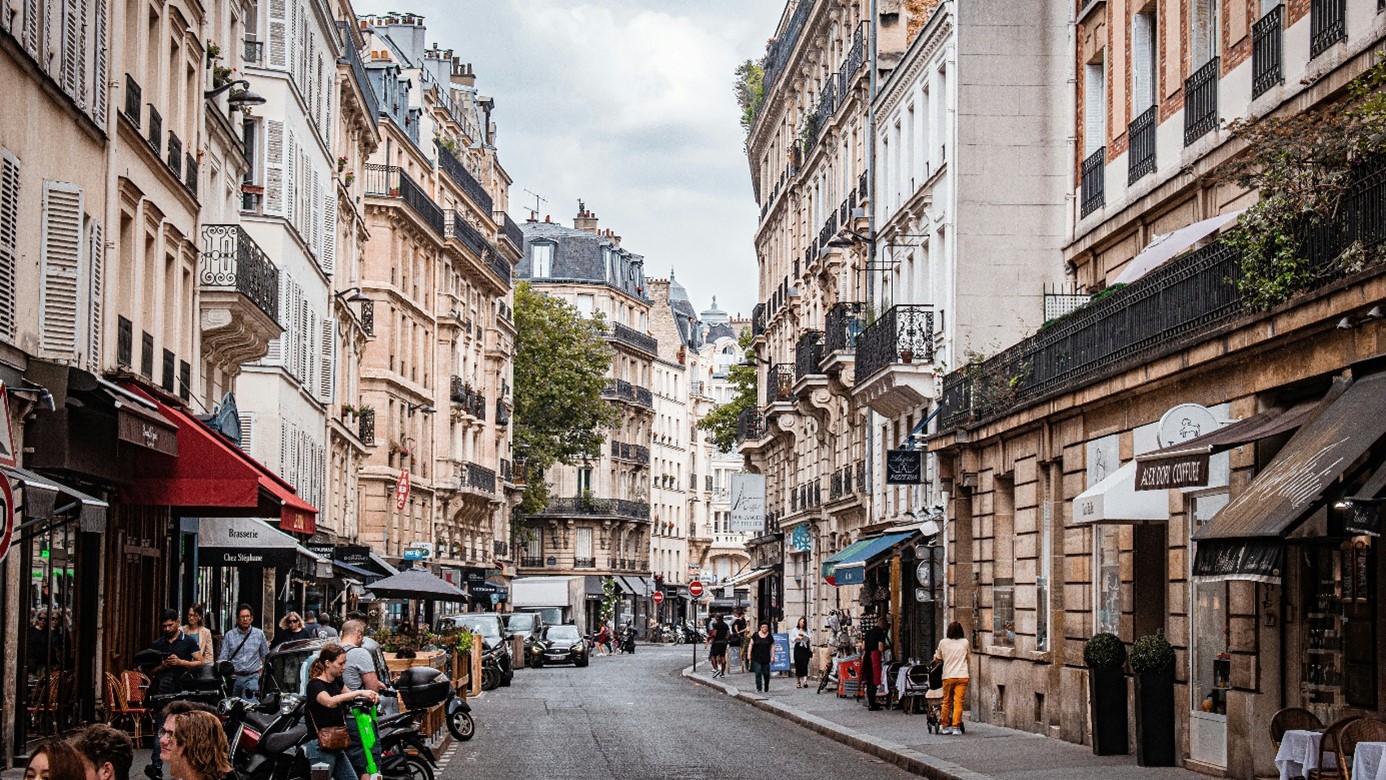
<point x="1299" y="754"/>
<point x="1369" y="761"/>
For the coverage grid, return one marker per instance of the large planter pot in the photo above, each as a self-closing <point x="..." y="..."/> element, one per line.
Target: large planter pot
<point x="1155" y="718"/>
<point x="1107" y="691"/>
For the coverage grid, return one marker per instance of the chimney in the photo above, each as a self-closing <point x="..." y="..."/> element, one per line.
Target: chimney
<point x="585" y="220"/>
<point x="548" y="218"/>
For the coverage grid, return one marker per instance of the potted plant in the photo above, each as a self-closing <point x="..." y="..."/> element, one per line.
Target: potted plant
<point x="906" y="355"/>
<point x="349" y="178"/>
<point x="1152" y="661"/>
<point x="348" y="409"/>
<point x="341" y="163"/>
<point x="1105" y="655"/>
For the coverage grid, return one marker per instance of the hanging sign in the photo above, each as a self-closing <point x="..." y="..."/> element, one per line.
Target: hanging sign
<point x="8" y="456"/>
<point x="904" y="467"/>
<point x="747" y="493"/>
<point x="402" y="491"/>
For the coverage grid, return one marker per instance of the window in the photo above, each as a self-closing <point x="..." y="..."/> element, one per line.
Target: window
<point x="1003" y="613"/>
<point x="586" y="303"/>
<point x="1143" y="60"/>
<point x="583" y="550"/>
<point x="1211" y="668"/>
<point x="1203" y="32"/>
<point x="1108" y="586"/>
<point x="1094" y="106"/>
<point x="541" y="266"/>
<point x="584" y="480"/>
<point x="1046" y="552"/>
<point x="534" y="547"/>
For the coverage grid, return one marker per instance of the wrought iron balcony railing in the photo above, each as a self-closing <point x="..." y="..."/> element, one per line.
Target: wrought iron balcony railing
<point x="175" y="155"/>
<point x="1327" y="24"/>
<point x="456" y="226"/>
<point x="584" y="563"/>
<point x="1140" y="157"/>
<point x="496" y="263"/>
<point x="368" y="317"/>
<point x="390" y="181"/>
<point x="777" y="56"/>
<point x="750" y="425"/>
<point x="477" y="477"/>
<point x="366" y="427"/>
<point x="634" y="338"/>
<point x="502" y="413"/>
<point x="134" y="97"/>
<point x="1268" y="51"/>
<point x="1201" y="101"/>
<point x="532" y="561"/>
<point x="808" y="353"/>
<point x="472" y="400"/>
<point x="463" y="178"/>
<point x="904" y="334"/>
<point x="232" y="260"/>
<point x="511" y="232"/>
<point x="1094" y="181"/>
<point x="758" y="320"/>
<point x="358" y="74"/>
<point x="155" y="132"/>
<point x="506" y="470"/>
<point x="843" y="325"/>
<point x="599" y="507"/>
<point x="637" y="453"/>
<point x="779" y="385"/>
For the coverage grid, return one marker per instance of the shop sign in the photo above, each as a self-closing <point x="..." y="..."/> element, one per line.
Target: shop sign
<point x="142" y="432"/>
<point x="358" y="555"/>
<point x="321" y="549"/>
<point x="6" y="511"/>
<point x="1175" y="471"/>
<point x="294" y="521"/>
<point x="801" y="538"/>
<point x="904" y="467"/>
<point x="1257" y="560"/>
<point x="1363" y="517"/>
<point x="747" y="503"/>
<point x="236" y="556"/>
<point x="8" y="456"/>
<point x="1184" y="422"/>
<point x="402" y="491"/>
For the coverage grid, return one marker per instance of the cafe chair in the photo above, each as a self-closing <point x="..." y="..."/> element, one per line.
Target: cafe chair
<point x="1292" y="718"/>
<point x="1360" y="730"/>
<point x="120" y="711"/>
<point x="1329" y="747"/>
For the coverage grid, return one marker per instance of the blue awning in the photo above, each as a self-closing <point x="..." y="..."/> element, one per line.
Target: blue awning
<point x="849" y="565"/>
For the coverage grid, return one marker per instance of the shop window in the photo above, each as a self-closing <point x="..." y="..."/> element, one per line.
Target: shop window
<point x="1003" y="613"/>
<point x="1108" y="586"/>
<point x="1338" y="665"/>
<point x="1046" y="552"/>
<point x="1211" y="662"/>
<point x="52" y="602"/>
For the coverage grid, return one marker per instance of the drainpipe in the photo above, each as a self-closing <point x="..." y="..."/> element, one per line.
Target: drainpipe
<point x="870" y="158"/>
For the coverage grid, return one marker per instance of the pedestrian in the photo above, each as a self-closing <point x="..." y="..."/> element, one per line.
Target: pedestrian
<point x="109" y="751"/>
<point x="319" y="629"/>
<point x="601" y="640"/>
<point x="762" y="648"/>
<point x="245" y="647"/>
<point x="179" y="652"/>
<point x="359" y="674"/>
<point x="326" y="696"/>
<point x="802" y="642"/>
<point x="197" y="628"/>
<point x="291" y="630"/>
<point x="873" y="652"/>
<point x="194" y="745"/>
<point x="718" y="637"/>
<point x="55" y="760"/>
<point x="953" y="652"/>
<point x="739" y="629"/>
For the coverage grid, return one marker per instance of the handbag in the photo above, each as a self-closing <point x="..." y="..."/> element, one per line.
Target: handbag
<point x="333" y="738"/>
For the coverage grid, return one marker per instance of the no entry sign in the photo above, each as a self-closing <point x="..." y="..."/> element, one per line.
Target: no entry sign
<point x="695" y="588"/>
<point x="658" y="597"/>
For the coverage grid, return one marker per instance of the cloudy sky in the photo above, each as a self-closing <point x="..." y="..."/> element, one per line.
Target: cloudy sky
<point x="628" y="105"/>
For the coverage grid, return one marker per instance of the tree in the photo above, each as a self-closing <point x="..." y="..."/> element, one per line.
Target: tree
<point x="750" y="91"/>
<point x="721" y="422"/>
<point x="561" y="365"/>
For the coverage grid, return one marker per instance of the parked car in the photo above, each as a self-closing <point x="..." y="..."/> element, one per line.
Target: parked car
<point x="524" y="624"/>
<point x="495" y="643"/>
<point x="557" y="644"/>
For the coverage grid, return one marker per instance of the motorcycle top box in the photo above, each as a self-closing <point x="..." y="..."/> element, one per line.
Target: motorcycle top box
<point x="422" y="687"/>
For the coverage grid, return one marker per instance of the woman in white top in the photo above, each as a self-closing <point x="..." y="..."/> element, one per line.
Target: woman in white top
<point x="953" y="652"/>
<point x="197" y="629"/>
<point x="802" y="642"/>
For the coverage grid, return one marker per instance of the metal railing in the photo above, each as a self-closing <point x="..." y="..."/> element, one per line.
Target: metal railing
<point x="502" y="413"/>
<point x="603" y="507"/>
<point x="463" y="178"/>
<point x="758" y="320"/>
<point x="632" y="337"/>
<point x="777" y="56"/>
<point x="511" y="232"/>
<point x="477" y="477"/>
<point x="842" y="326"/>
<point x="904" y="334"/>
<point x="584" y="563"/>
<point x="1327" y="24"/>
<point x="1268" y="51"/>
<point x="231" y="259"/>
<point x="499" y="265"/>
<point x="1201" y="101"/>
<point x="358" y="74"/>
<point x="366" y="427"/>
<point x="532" y="561"/>
<point x="1140" y="157"/>
<point x="637" y="453"/>
<point x="175" y="155"/>
<point x="190" y="174"/>
<point x="472" y="400"/>
<point x="1094" y="181"/>
<point x="808" y="353"/>
<point x="391" y="182"/>
<point x="750" y="425"/>
<point x="134" y="97"/>
<point x="779" y="383"/>
<point x="155" y="134"/>
<point x="368" y="317"/>
<point x="456" y="226"/>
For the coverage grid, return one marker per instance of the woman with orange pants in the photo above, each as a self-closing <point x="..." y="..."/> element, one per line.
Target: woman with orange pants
<point x="953" y="652"/>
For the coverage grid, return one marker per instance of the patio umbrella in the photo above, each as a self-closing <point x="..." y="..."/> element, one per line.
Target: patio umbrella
<point x="417" y="584"/>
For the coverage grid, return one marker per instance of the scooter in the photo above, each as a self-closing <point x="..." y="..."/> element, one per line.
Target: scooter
<point x="628" y="641"/>
<point x="403" y="752"/>
<point x="266" y="737"/>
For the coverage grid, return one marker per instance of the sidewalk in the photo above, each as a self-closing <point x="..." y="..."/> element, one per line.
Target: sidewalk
<point x="986" y="752"/>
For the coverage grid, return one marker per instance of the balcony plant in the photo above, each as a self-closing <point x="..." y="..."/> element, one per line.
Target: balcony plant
<point x="341" y="163"/>
<point x="1105" y="656"/>
<point x="1152" y="662"/>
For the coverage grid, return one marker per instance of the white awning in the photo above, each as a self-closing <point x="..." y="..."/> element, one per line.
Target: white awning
<point x="1164" y="247"/>
<point x="1116" y="500"/>
<point x="746" y="577"/>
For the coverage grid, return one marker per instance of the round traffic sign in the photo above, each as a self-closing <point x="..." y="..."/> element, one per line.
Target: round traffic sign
<point x="7" y="519"/>
<point x="658" y="597"/>
<point x="695" y="588"/>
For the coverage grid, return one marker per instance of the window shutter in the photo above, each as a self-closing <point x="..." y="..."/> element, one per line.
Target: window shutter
<point x="100" y="65"/>
<point x="1142" y="63"/>
<point x="50" y="64"/>
<point x="247" y="431"/>
<point x="61" y="258"/>
<point x="329" y="232"/>
<point x="71" y="47"/>
<point x="30" y="32"/>
<point x="9" y="241"/>
<point x="274" y="168"/>
<point x="278" y="35"/>
<point x="283" y="449"/>
<point x="1095" y="108"/>
<point x="96" y="250"/>
<point x="312" y="363"/>
<point x="290" y="176"/>
<point x="329" y="360"/>
<point x="315" y="210"/>
<point x="302" y="342"/>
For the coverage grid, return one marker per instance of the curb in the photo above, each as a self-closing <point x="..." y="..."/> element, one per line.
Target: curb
<point x="910" y="760"/>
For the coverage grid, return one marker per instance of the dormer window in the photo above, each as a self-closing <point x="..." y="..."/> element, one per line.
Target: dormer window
<point x="541" y="261"/>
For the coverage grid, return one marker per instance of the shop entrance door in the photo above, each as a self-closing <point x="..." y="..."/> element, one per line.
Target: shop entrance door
<point x="1210" y="668"/>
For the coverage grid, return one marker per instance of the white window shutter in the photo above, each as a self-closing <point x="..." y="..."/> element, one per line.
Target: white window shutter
<point x="51" y="64"/>
<point x="315" y="210"/>
<point x="247" y="432"/>
<point x="329" y="232"/>
<point x="329" y="360"/>
<point x="9" y="242"/>
<point x="283" y="448"/>
<point x="1095" y="108"/>
<point x="30" y="27"/>
<point x="290" y="176"/>
<point x="278" y="35"/>
<point x="100" y="65"/>
<point x="96" y="251"/>
<point x="1142" y="63"/>
<point x="61" y="261"/>
<point x="312" y="349"/>
<point x="70" y="47"/>
<point x="274" y="167"/>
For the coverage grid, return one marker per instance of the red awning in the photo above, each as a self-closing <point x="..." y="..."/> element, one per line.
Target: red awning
<point x="212" y="475"/>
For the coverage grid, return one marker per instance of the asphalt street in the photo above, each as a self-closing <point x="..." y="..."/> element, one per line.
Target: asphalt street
<point x="634" y="717"/>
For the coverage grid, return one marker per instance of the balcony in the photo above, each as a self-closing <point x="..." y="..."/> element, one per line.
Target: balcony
<point x="808" y="354"/>
<point x="1140" y="159"/>
<point x="634" y="453"/>
<point x="1094" y="181"/>
<point x="389" y="181"/>
<point x="630" y="337"/>
<point x="239" y="301"/>
<point x="502" y="413"/>
<point x="621" y="390"/>
<point x="366" y="427"/>
<point x="532" y="561"/>
<point x="1201" y="101"/>
<point x="474" y="478"/>
<point x="511" y="233"/>
<point x="585" y="506"/>
<point x="842" y="328"/>
<point x="467" y="398"/>
<point x="758" y="321"/>
<point x="847" y="482"/>
<point x="456" y="226"/>
<point x="584" y="563"/>
<point x="750" y="426"/>
<point x="895" y="360"/>
<point x="1268" y="51"/>
<point x="779" y="384"/>
<point x="463" y="178"/>
<point x="498" y="265"/>
<point x="1327" y="25"/>
<point x="133" y="97"/>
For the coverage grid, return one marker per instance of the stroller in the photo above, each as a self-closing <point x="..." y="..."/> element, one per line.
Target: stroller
<point x="923" y="683"/>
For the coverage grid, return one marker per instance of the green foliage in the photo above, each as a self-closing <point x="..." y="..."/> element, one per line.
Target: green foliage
<point x="1302" y="165"/>
<point x="1152" y="653"/>
<point x="561" y="364"/>
<point x="750" y="92"/>
<point x="1104" y="651"/>
<point x="609" y="598"/>
<point x="721" y="422"/>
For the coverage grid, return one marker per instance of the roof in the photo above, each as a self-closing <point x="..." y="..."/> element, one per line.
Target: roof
<point x="579" y="256"/>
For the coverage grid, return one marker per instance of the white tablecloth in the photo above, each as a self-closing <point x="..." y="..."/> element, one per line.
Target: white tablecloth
<point x="1369" y="762"/>
<point x="1299" y="754"/>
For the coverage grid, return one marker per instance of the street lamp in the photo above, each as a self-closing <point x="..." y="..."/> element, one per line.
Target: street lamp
<point x="238" y="99"/>
<point x="424" y="407"/>
<point x="352" y="295"/>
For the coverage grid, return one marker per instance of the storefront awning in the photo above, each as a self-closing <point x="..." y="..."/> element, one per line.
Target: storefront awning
<point x="211" y="475"/>
<point x="1244" y="539"/>
<point x="622" y="585"/>
<point x="1116" y="500"/>
<point x="1363" y="507"/>
<point x="245" y="541"/>
<point x="746" y="577"/>
<point x="364" y="576"/>
<point x="849" y="565"/>
<point x="43" y="497"/>
<point x="1186" y="464"/>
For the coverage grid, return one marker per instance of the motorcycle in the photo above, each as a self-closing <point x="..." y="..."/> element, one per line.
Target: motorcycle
<point x="422" y="687"/>
<point x="491" y="669"/>
<point x="266" y="737"/>
<point x="628" y="640"/>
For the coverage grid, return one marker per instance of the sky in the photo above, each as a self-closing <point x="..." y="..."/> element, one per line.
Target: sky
<point x="628" y="105"/>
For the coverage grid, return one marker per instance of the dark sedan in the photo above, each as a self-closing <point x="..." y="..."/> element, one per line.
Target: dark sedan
<point x="556" y="644"/>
